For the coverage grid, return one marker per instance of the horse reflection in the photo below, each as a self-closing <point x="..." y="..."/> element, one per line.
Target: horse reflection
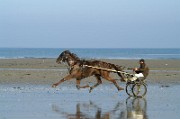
<point x="87" y="111"/>
<point x="133" y="108"/>
<point x="77" y="115"/>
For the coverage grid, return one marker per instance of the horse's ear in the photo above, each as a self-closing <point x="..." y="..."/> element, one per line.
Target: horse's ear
<point x="67" y="51"/>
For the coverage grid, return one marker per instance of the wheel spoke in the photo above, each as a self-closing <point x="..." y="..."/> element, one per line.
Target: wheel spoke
<point x="139" y="90"/>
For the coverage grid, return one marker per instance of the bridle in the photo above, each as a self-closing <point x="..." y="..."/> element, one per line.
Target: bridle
<point x="69" y="61"/>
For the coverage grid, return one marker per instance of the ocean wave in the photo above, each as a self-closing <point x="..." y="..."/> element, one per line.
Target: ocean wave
<point x="45" y="53"/>
<point x="163" y="54"/>
<point x="32" y="69"/>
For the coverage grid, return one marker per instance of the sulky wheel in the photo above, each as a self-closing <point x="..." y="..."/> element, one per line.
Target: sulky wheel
<point x="139" y="90"/>
<point x="129" y="87"/>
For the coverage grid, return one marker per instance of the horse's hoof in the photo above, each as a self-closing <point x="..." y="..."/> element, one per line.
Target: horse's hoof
<point x="90" y="90"/>
<point x="54" y="86"/>
<point x="120" y="89"/>
<point x="78" y="87"/>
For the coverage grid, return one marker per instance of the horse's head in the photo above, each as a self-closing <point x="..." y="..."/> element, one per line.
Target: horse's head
<point x="63" y="57"/>
<point x="67" y="56"/>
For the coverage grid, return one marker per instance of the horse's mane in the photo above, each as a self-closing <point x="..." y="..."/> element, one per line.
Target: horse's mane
<point x="94" y="62"/>
<point x="73" y="55"/>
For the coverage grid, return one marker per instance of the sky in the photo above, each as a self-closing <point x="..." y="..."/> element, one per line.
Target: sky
<point x="90" y="23"/>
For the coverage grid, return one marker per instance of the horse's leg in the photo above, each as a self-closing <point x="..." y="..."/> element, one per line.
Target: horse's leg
<point x="78" y="84"/>
<point x="98" y="83"/>
<point x="107" y="77"/>
<point x="68" y="77"/>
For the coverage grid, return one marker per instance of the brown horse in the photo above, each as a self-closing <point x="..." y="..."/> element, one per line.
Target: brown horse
<point x="78" y="70"/>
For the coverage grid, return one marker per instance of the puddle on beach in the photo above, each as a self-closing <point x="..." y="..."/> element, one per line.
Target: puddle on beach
<point x="42" y="101"/>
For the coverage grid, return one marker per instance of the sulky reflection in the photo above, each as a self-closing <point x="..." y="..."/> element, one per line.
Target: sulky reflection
<point x="132" y="108"/>
<point x="136" y="108"/>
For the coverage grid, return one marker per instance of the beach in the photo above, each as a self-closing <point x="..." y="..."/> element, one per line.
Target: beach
<point x="26" y="92"/>
<point x="47" y="71"/>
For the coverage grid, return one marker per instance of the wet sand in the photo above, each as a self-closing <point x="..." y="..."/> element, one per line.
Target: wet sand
<point x="46" y="71"/>
<point x="66" y="102"/>
<point x="25" y="92"/>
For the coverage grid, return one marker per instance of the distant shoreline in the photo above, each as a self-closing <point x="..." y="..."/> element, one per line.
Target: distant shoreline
<point x="92" y="53"/>
<point x="90" y="58"/>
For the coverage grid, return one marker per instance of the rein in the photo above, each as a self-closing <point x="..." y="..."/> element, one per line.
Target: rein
<point x="106" y="69"/>
<point x="70" y="62"/>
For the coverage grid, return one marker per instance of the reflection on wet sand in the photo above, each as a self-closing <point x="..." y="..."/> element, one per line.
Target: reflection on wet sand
<point x="132" y="108"/>
<point x="81" y="113"/>
<point x="136" y="108"/>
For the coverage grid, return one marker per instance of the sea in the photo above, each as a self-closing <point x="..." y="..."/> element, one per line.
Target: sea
<point x="92" y="53"/>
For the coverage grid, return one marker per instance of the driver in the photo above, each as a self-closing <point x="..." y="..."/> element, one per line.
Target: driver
<point x="142" y="71"/>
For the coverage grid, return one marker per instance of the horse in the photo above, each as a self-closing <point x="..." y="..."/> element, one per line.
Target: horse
<point x="78" y="70"/>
